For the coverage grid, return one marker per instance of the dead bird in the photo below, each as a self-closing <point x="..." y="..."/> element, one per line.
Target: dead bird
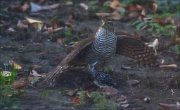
<point x="101" y="78"/>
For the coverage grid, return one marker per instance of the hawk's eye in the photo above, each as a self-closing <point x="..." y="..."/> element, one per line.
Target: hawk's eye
<point x="108" y="25"/>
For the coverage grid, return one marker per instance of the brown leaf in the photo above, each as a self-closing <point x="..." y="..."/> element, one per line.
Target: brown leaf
<point x="134" y="8"/>
<point x="111" y="16"/>
<point x="71" y="20"/>
<point x="60" y="41"/>
<point x="115" y="4"/>
<point x="133" y="15"/>
<point x="55" y="23"/>
<point x="17" y="7"/>
<point x="109" y="91"/>
<point x="20" y="84"/>
<point x="164" y="21"/>
<point x="177" y="41"/>
<point x="76" y="100"/>
<point x="115" y="16"/>
<point x="165" y="106"/>
<point x="15" y="65"/>
<point x="154" y="7"/>
<point x="25" y="7"/>
<point x="22" y="25"/>
<point x="122" y="100"/>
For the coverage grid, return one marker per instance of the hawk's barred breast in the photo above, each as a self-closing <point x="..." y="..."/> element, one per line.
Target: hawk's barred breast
<point x="104" y="46"/>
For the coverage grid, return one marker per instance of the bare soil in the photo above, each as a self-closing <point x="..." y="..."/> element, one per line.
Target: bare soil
<point x="32" y="48"/>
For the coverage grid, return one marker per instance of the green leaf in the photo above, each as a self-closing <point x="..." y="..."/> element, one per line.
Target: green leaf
<point x="177" y="49"/>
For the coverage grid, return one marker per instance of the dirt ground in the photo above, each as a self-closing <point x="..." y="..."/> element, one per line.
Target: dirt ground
<point x="32" y="48"/>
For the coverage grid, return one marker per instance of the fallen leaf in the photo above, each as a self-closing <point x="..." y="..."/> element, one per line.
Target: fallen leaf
<point x="84" y="6"/>
<point x="36" y="24"/>
<point x="154" y="45"/>
<point x="176" y="41"/>
<point x="154" y="7"/>
<point x="172" y="92"/>
<point x="168" y="66"/>
<point x="22" y="25"/>
<point x="164" y="21"/>
<point x="37" y="66"/>
<point x="103" y="14"/>
<point x="133" y="82"/>
<point x="30" y="20"/>
<point x="162" y="61"/>
<point x="72" y="92"/>
<point x="25" y="7"/>
<point x="55" y="23"/>
<point x="122" y="100"/>
<point x="76" y="100"/>
<point x="15" y="65"/>
<point x="36" y="7"/>
<point x="15" y="7"/>
<point x="124" y="67"/>
<point x="11" y="29"/>
<point x="109" y="91"/>
<point x="69" y="3"/>
<point x="124" y="105"/>
<point x="71" y="20"/>
<point x="133" y="15"/>
<point x="111" y="16"/>
<point x="165" y="106"/>
<point x="115" y="16"/>
<point x="60" y="41"/>
<point x="134" y="8"/>
<point x="115" y="4"/>
<point x="57" y="29"/>
<point x="35" y="74"/>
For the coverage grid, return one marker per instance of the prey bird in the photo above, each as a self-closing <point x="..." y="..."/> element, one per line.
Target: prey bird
<point x="100" y="78"/>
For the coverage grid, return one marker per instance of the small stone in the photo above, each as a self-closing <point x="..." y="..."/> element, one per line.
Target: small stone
<point x="147" y="99"/>
<point x="124" y="67"/>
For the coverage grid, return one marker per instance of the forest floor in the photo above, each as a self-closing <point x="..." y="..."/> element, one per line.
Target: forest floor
<point x="30" y="48"/>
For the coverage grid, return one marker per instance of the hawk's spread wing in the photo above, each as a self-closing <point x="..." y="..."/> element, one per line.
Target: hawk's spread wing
<point x="137" y="50"/>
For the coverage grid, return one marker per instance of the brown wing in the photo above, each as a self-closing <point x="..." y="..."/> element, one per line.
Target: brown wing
<point x="79" y="52"/>
<point x="76" y="56"/>
<point x="137" y="50"/>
